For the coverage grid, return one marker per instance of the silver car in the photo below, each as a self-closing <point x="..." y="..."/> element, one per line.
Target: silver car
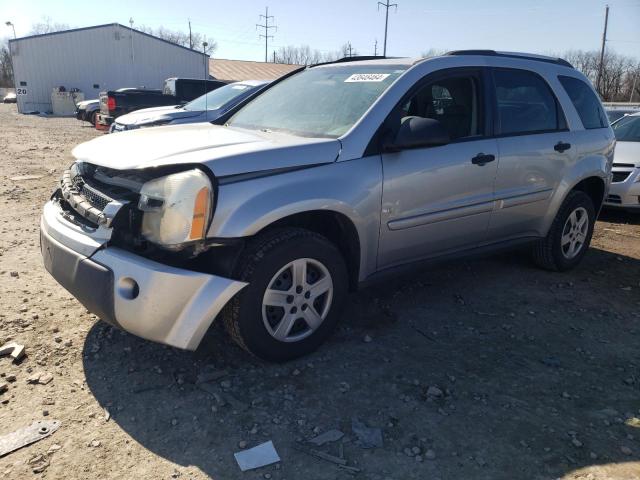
<point x="625" y="186"/>
<point x="335" y="177"/>
<point x="206" y="108"/>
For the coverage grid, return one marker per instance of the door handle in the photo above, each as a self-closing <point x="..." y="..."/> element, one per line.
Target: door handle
<point x="561" y="147"/>
<point x="482" y="159"/>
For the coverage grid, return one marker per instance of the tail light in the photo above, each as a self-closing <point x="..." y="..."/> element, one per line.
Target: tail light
<point x="111" y="103"/>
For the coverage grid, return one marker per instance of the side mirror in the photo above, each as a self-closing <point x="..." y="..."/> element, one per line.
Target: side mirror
<point x="417" y="132"/>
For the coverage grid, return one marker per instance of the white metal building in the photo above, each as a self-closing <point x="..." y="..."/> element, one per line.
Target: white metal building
<point x="94" y="59"/>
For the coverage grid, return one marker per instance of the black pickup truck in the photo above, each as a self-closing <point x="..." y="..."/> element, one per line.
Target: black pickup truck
<point x="114" y="103"/>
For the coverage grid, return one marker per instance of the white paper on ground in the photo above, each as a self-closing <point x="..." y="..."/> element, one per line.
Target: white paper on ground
<point x="256" y="457"/>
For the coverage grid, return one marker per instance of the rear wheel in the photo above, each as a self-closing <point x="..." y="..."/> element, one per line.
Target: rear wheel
<point x="297" y="285"/>
<point x="93" y="118"/>
<point x="569" y="236"/>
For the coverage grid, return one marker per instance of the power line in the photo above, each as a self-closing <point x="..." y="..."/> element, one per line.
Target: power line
<point x="386" y="5"/>
<point x="266" y="35"/>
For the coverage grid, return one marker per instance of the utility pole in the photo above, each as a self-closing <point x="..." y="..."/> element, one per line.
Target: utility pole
<point x="375" y="48"/>
<point x="387" y="5"/>
<point x="133" y="58"/>
<point x="190" y="38"/>
<point x="604" y="42"/>
<point x="274" y="56"/>
<point x="350" y="54"/>
<point x="633" y="87"/>
<point x="266" y="35"/>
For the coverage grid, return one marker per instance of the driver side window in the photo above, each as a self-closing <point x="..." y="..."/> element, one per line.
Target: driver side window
<point x="452" y="101"/>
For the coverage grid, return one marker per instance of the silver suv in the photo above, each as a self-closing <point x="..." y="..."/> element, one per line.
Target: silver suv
<point x="334" y="177"/>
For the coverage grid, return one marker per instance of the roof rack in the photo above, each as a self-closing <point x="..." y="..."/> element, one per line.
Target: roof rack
<point x="526" y="56"/>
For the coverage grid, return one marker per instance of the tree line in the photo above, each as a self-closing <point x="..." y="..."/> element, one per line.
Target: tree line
<point x="618" y="81"/>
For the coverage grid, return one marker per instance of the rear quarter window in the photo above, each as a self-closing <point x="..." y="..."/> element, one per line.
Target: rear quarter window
<point x="586" y="102"/>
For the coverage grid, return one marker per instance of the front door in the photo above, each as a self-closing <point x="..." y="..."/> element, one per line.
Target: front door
<point x="439" y="199"/>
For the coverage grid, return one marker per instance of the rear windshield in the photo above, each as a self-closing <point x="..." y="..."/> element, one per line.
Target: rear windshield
<point x="627" y="129"/>
<point x="318" y="102"/>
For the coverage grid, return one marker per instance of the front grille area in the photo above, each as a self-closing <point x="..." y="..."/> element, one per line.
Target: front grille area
<point x="620" y="176"/>
<point x="96" y="198"/>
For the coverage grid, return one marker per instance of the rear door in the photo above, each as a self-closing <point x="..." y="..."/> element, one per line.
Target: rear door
<point x="439" y="199"/>
<point x="535" y="148"/>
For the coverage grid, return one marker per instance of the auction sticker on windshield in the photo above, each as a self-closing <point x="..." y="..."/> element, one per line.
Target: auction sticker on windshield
<point x="367" y="77"/>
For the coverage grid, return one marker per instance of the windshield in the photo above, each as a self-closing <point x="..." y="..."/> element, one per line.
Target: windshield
<point x="219" y="97"/>
<point x="627" y="129"/>
<point x="318" y="102"/>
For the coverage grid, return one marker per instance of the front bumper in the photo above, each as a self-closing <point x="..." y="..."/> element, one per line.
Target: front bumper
<point x="625" y="194"/>
<point x="169" y="305"/>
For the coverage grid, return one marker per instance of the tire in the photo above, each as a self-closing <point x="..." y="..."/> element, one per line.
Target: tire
<point x="554" y="252"/>
<point x="92" y="118"/>
<point x="270" y="331"/>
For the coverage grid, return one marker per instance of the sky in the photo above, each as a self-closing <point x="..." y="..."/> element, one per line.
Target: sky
<point x="534" y="26"/>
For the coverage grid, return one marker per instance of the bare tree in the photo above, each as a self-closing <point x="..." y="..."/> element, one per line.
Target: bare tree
<point x="618" y="72"/>
<point x="47" y="25"/>
<point x="433" y="52"/>
<point x="182" y="38"/>
<point x="6" y="67"/>
<point x="303" y="55"/>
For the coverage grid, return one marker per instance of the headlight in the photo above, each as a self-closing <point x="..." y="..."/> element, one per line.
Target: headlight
<point x="176" y="208"/>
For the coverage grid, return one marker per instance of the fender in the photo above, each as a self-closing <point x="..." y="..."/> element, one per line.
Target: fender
<point x="352" y="188"/>
<point x="590" y="166"/>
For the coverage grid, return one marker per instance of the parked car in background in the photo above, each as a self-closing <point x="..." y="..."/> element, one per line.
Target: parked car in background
<point x="87" y="110"/>
<point x="615" y="114"/>
<point x="625" y="186"/>
<point x="208" y="107"/>
<point x="617" y="110"/>
<point x="175" y="91"/>
<point x="10" y="98"/>
<point x="334" y="177"/>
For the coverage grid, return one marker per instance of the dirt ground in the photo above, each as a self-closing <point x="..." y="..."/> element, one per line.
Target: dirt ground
<point x="481" y="369"/>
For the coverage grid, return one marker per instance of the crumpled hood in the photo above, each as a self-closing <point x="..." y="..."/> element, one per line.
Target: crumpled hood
<point x="627" y="152"/>
<point x="225" y="150"/>
<point x="156" y="114"/>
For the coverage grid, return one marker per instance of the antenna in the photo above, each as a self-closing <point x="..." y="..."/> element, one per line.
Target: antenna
<point x="266" y="35"/>
<point x="206" y="76"/>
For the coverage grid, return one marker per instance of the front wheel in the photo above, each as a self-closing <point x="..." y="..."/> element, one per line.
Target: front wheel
<point x="569" y="236"/>
<point x="297" y="285"/>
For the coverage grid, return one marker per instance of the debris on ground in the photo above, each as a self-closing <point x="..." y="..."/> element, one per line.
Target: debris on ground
<point x="28" y="435"/>
<point x="210" y="374"/>
<point x="326" y="437"/>
<point x="340" y="462"/>
<point x="41" y="378"/>
<point x="20" y="178"/>
<point x="256" y="457"/>
<point x="368" y="437"/>
<point x="39" y="463"/>
<point x="15" y="350"/>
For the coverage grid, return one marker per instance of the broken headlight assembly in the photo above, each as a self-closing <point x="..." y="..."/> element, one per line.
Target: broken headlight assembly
<point x="176" y="208"/>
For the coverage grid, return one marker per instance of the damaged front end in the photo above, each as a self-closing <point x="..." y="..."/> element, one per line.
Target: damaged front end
<point x="124" y="242"/>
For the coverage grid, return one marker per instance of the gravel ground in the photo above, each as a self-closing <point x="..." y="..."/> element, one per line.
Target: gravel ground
<point x="481" y="369"/>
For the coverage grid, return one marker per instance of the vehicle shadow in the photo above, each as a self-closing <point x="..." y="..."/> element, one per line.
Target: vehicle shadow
<point x="535" y="376"/>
